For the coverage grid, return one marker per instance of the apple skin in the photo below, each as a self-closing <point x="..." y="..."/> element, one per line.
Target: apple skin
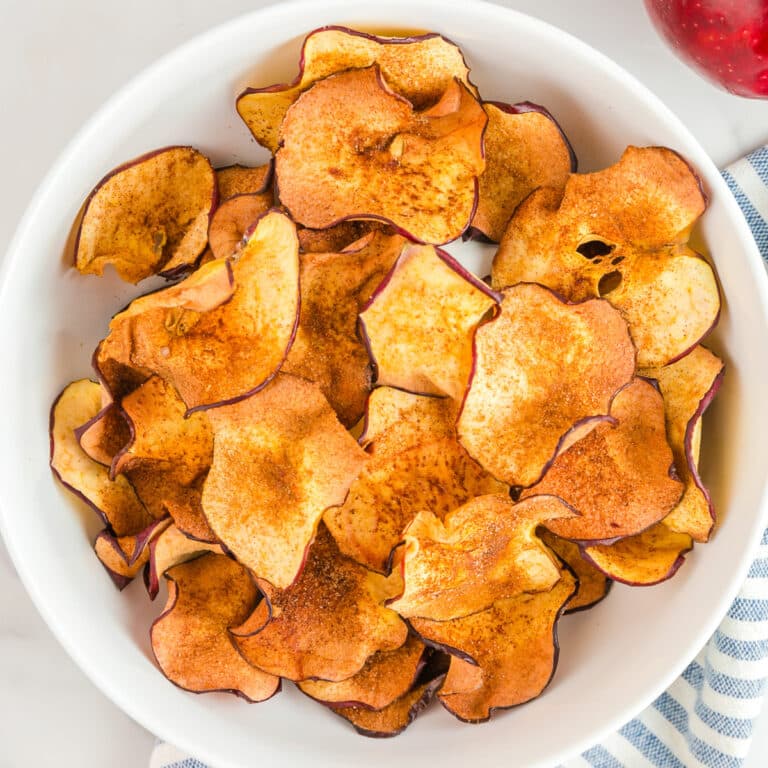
<point x="725" y="40"/>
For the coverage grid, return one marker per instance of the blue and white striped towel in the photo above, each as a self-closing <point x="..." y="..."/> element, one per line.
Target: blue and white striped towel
<point x="705" y="717"/>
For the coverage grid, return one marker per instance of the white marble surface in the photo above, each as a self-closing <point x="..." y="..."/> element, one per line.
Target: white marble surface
<point x="58" y="63"/>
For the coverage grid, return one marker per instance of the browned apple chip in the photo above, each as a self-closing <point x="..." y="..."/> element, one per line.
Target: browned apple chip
<point x="232" y="219"/>
<point x="280" y="458"/>
<point x="351" y="148"/>
<point x="628" y="246"/>
<point x="545" y="372"/>
<point x="417" y="68"/>
<point x="190" y="640"/>
<point x="620" y="477"/>
<point x="524" y="150"/>
<point x="503" y="656"/>
<point x="339" y="237"/>
<point x="327" y="349"/>
<point x="386" y="676"/>
<point x="642" y="560"/>
<point x="115" y="501"/>
<point x="325" y="625"/>
<point x="149" y="215"/>
<point x="244" y="180"/>
<point x="216" y="342"/>
<point x="106" y="434"/>
<point x="420" y="323"/>
<point x="688" y="387"/>
<point x="593" y="584"/>
<point x="484" y="551"/>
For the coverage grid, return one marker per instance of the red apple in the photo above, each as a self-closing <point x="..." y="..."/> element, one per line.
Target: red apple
<point x="726" y="40"/>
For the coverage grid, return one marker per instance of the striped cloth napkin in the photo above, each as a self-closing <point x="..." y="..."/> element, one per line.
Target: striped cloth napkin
<point x="705" y="717"/>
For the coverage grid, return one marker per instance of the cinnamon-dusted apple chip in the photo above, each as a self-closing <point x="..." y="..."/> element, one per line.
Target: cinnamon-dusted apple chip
<point x="420" y="323"/>
<point x="339" y="237"/>
<point x="417" y="68"/>
<point x="621" y="233"/>
<point x="280" y="458"/>
<point x="620" y="478"/>
<point x="244" y="180"/>
<point x="325" y="625"/>
<point x="524" y="149"/>
<point x="106" y="434"/>
<point x="545" y="373"/>
<point x="191" y="640"/>
<point x="484" y="551"/>
<point x="217" y="342"/>
<point x="148" y="216"/>
<point x="688" y="387"/>
<point x="232" y="219"/>
<point x="503" y="656"/>
<point x="327" y="349"/>
<point x="351" y="148"/>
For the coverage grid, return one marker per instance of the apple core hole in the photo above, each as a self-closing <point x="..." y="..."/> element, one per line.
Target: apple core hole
<point x="609" y="282"/>
<point x="592" y="249"/>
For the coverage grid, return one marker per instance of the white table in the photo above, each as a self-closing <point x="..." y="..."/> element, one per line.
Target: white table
<point x="58" y="63"/>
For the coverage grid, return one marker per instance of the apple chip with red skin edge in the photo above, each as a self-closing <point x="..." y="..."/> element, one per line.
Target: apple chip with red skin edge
<point x="232" y="219"/>
<point x="213" y="350"/>
<point x="620" y="478"/>
<point x="326" y="624"/>
<point x="115" y="501"/>
<point x="385" y="677"/>
<point x="190" y="639"/>
<point x="503" y="656"/>
<point x="280" y="457"/>
<point x="148" y="216"/>
<point x="339" y="237"/>
<point x="482" y="552"/>
<point x="593" y="584"/>
<point x="545" y="373"/>
<point x="417" y="68"/>
<point x="647" y="558"/>
<point x="351" y="148"/>
<point x="420" y="322"/>
<point x="524" y="149"/>
<point x="621" y="233"/>
<point x="106" y="434"/>
<point x="244" y="180"/>
<point x="688" y="387"/>
<point x="327" y="348"/>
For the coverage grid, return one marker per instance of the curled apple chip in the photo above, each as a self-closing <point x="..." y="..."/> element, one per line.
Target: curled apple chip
<point x="484" y="551"/>
<point x="420" y="323"/>
<point x="232" y="219"/>
<point x="149" y="215"/>
<point x="325" y="625"/>
<point x="351" y="148"/>
<point x="280" y="458"/>
<point x="524" y="149"/>
<point x="106" y="434"/>
<point x="217" y="336"/>
<point x="327" y="349"/>
<point x="339" y="237"/>
<point x="244" y="180"/>
<point x="385" y="677"/>
<point x="503" y="656"/>
<point x="191" y="640"/>
<point x="417" y="68"/>
<point x="593" y="584"/>
<point x="545" y="373"/>
<point x="621" y="233"/>
<point x="688" y="387"/>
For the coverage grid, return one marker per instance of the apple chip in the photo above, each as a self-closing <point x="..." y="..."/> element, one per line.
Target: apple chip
<point x="503" y="656"/>
<point x="545" y="373"/>
<point x="190" y="639"/>
<point x="420" y="323"/>
<point x="149" y="215"/>
<point x="351" y="148"/>
<point x="339" y="237"/>
<point x="280" y="458"/>
<point x="417" y="68"/>
<point x="688" y="387"/>
<point x="243" y="180"/>
<point x="620" y="478"/>
<point x="325" y="625"/>
<point x="214" y="341"/>
<point x="106" y="434"/>
<point x="629" y="246"/>
<point x="327" y="349"/>
<point x="232" y="219"/>
<point x="484" y="551"/>
<point x="386" y="676"/>
<point x="115" y="501"/>
<point x="593" y="584"/>
<point x="524" y="150"/>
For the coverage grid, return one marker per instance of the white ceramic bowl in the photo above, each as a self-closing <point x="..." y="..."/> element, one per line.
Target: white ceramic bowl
<point x="614" y="659"/>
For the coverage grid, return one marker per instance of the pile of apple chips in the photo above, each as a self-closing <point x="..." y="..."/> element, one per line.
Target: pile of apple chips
<point x="357" y="466"/>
